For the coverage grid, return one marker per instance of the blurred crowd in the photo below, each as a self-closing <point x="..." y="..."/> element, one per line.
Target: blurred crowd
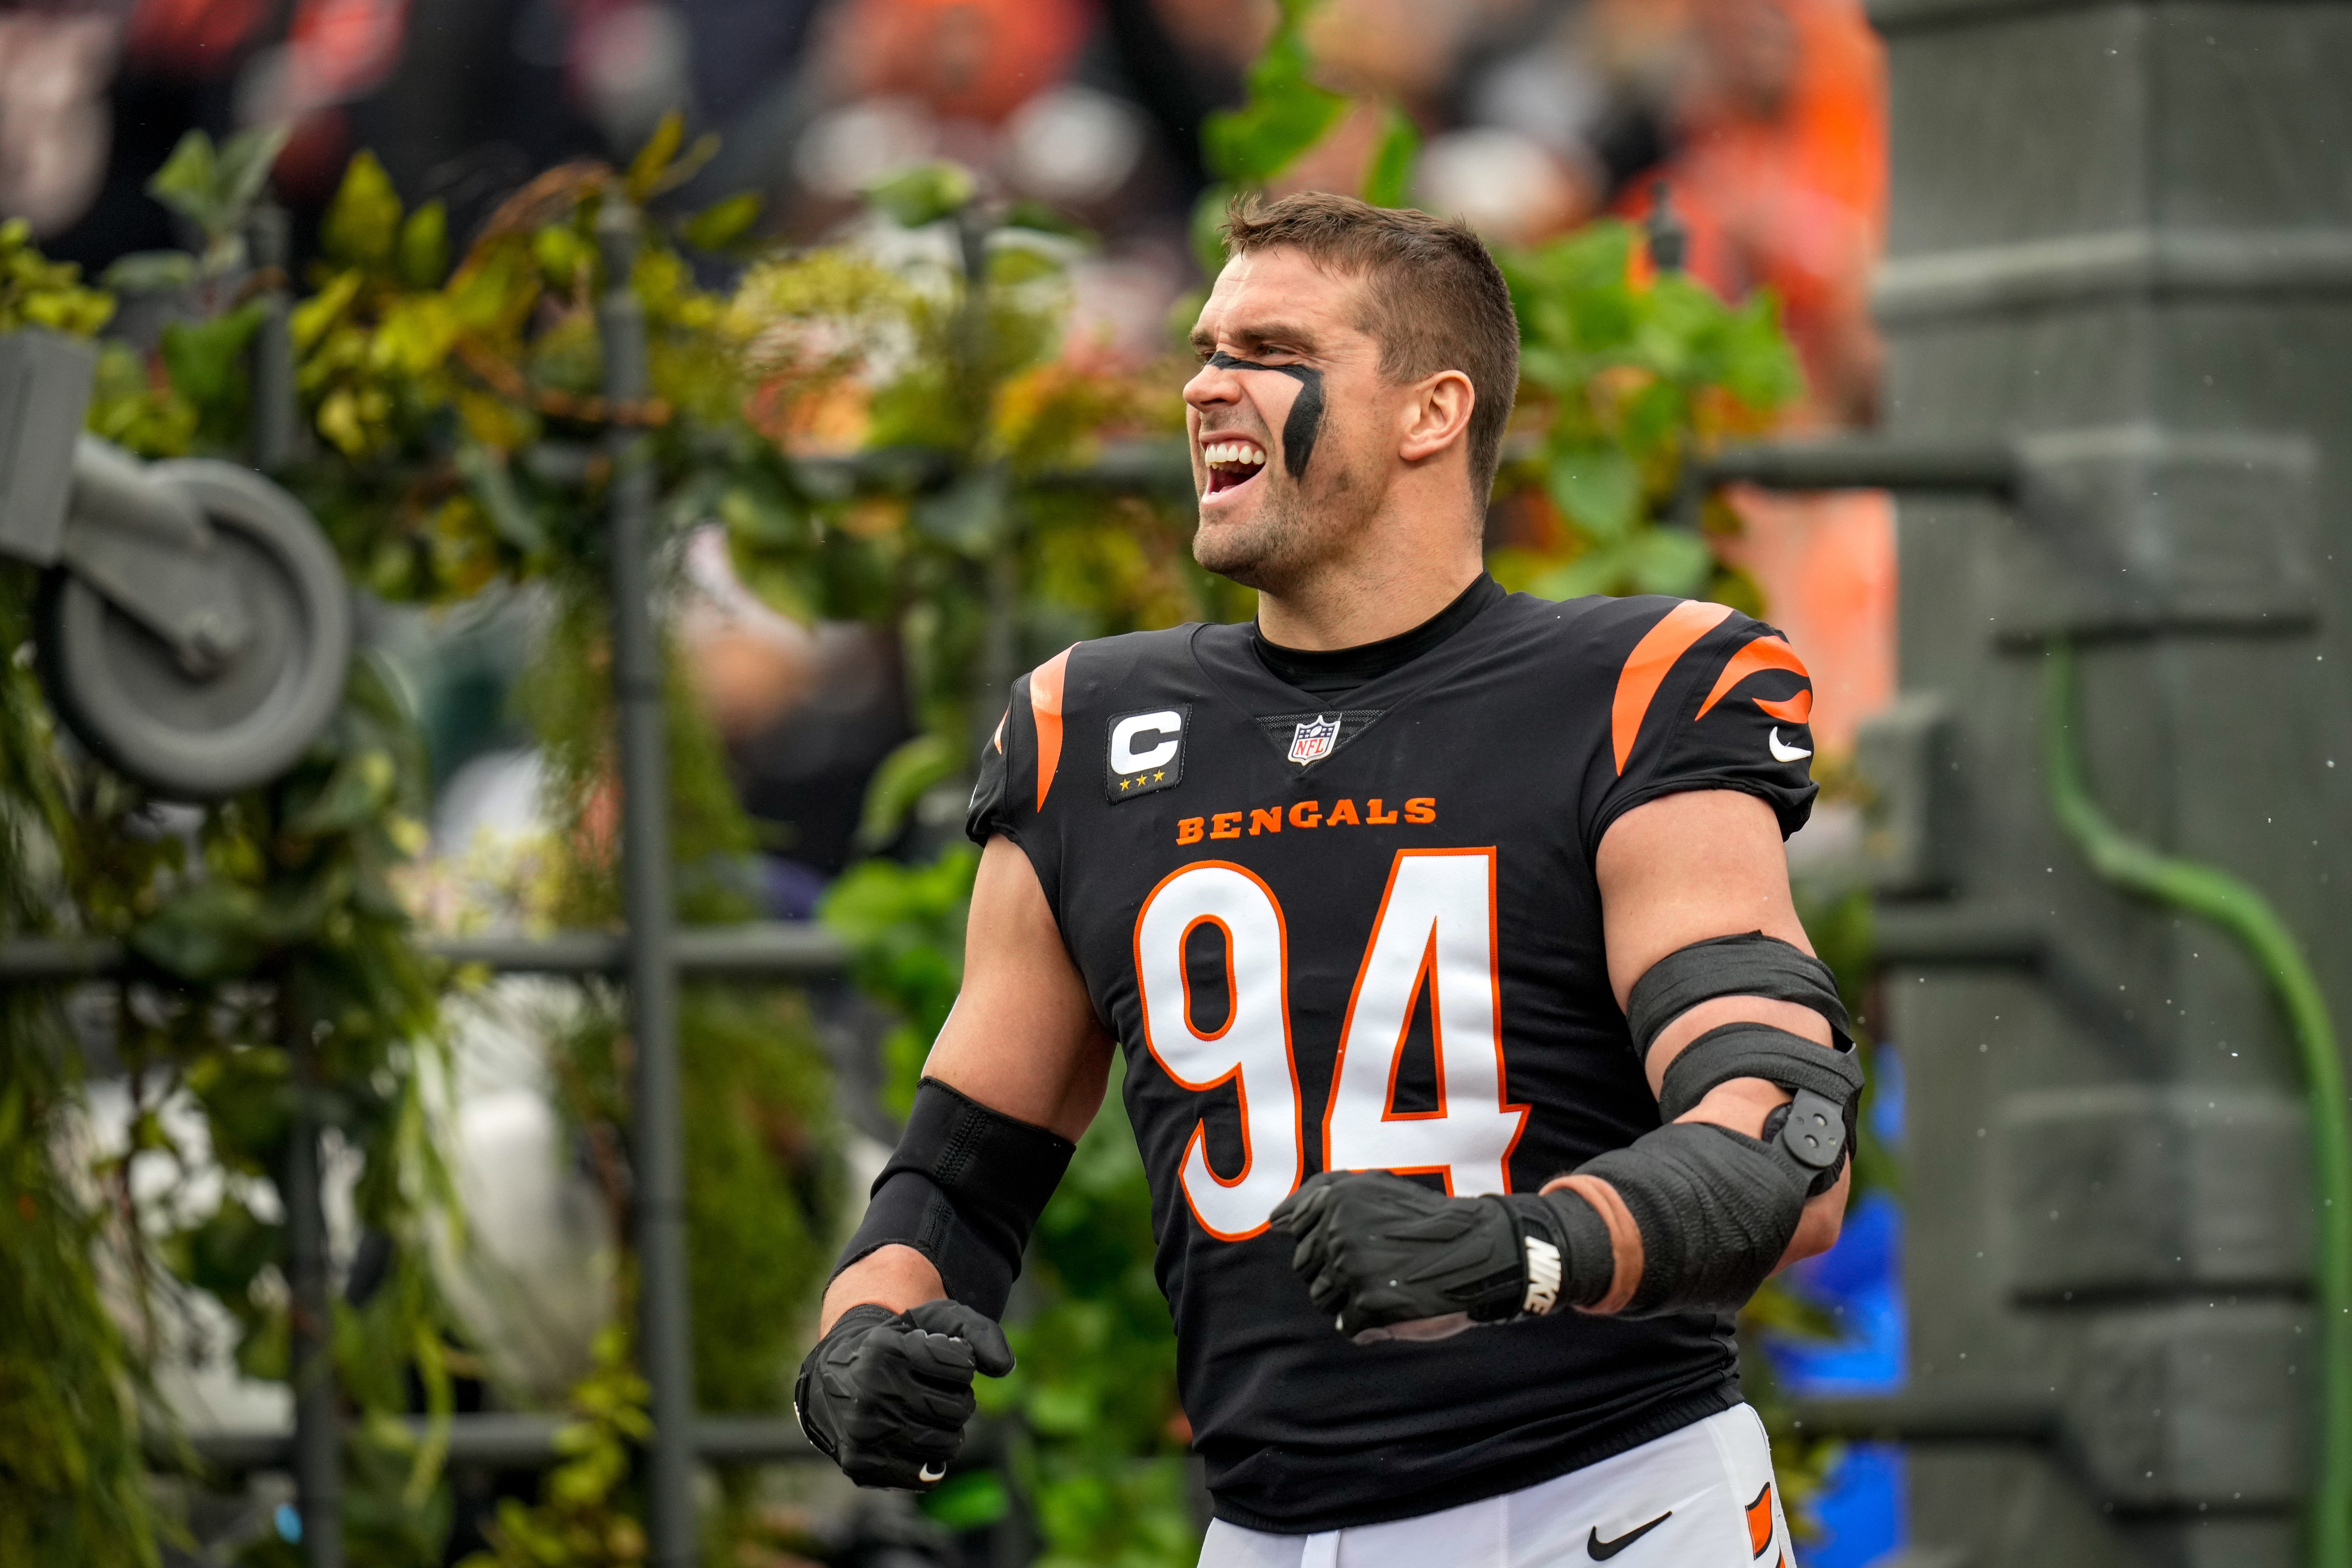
<point x="1765" y="114"/>
<point x="1763" y="117"/>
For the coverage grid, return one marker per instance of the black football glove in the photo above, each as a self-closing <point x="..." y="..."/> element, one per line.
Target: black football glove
<point x="885" y="1394"/>
<point x="1377" y="1250"/>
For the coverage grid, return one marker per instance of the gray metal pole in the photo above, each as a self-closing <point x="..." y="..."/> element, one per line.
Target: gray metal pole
<point x="664" y="1341"/>
<point x="276" y="413"/>
<point x="318" y="1440"/>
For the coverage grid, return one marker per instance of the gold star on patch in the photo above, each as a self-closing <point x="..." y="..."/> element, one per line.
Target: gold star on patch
<point x="1159" y="777"/>
<point x="1124" y="783"/>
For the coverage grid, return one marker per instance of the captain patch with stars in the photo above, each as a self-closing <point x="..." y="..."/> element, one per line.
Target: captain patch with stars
<point x="1146" y="751"/>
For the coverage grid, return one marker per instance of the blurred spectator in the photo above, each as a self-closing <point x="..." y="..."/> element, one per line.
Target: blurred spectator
<point x="54" y="128"/>
<point x="806" y="714"/>
<point x="1766" y="116"/>
<point x="1779" y="169"/>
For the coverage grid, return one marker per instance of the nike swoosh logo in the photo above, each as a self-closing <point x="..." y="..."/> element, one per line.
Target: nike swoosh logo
<point x="1602" y="1551"/>
<point x="1782" y="753"/>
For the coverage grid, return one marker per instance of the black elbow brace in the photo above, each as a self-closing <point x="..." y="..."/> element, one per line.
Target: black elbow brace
<point x="964" y="1188"/>
<point x="1716" y="1209"/>
<point x="1818" y="1128"/>
<point x="1749" y="964"/>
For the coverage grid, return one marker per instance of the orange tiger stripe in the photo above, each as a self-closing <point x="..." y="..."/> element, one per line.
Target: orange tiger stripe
<point x="1759" y="1523"/>
<point x="1768" y="652"/>
<point x="1045" y="702"/>
<point x="1797" y="710"/>
<point x="1646" y="667"/>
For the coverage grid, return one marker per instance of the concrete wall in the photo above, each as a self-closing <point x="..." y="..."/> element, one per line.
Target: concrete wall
<point x="2123" y="231"/>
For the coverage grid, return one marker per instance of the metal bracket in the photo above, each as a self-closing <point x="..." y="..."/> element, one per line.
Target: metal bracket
<point x="44" y="385"/>
<point x="149" y="551"/>
<point x="1814" y="1131"/>
<point x="2134" y="531"/>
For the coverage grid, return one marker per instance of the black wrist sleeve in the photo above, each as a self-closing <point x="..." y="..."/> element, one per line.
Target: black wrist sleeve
<point x="1588" y="1263"/>
<point x="964" y="1188"/>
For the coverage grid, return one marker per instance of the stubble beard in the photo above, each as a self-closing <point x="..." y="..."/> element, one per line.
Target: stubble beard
<point x="1287" y="536"/>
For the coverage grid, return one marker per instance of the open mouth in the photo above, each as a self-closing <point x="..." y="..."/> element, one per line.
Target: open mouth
<point x="1231" y="463"/>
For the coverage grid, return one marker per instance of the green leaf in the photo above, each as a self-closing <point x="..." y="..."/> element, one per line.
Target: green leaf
<point x="1652" y="417"/>
<point x="356" y="792"/>
<point x="1014" y="264"/>
<point x="904" y="777"/>
<point x="1389" y="179"/>
<point x="1760" y="364"/>
<point x="1598" y="487"/>
<point x="492" y="485"/>
<point x="148" y="272"/>
<point x="363" y="219"/>
<point x="1208" y="225"/>
<point x="653" y="159"/>
<point x="561" y="252"/>
<point x="226" y="1252"/>
<point x="760" y="511"/>
<point x="722" y="223"/>
<point x="207" y="362"/>
<point x="922" y="194"/>
<point x="243" y="169"/>
<point x="314" y="315"/>
<point x="1599" y="571"/>
<point x="209" y="931"/>
<point x="1671" y="561"/>
<point x="247" y="1097"/>
<point x="969" y="515"/>
<point x="424" y="247"/>
<point x="188" y="180"/>
<point x="1285" y="113"/>
<point x="1252" y="144"/>
<point x="969" y="1502"/>
<point x="1036" y="216"/>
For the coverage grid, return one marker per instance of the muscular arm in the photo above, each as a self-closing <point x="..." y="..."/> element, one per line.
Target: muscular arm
<point x="1677" y="870"/>
<point x="1023" y="1039"/>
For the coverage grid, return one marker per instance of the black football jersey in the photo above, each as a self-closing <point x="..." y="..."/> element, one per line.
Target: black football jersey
<point x="1367" y="936"/>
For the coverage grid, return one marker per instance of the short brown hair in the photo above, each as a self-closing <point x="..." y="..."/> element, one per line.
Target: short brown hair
<point x="1435" y="300"/>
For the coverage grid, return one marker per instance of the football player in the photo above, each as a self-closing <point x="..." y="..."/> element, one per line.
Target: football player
<point x="1478" y="1060"/>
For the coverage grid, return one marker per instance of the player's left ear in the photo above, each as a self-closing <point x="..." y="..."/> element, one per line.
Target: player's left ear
<point x="1437" y="415"/>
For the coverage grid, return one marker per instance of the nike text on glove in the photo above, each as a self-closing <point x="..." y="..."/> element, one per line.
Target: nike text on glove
<point x="885" y="1394"/>
<point x="1377" y="1250"/>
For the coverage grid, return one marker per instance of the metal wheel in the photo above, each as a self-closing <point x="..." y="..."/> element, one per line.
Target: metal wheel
<point x="121" y="690"/>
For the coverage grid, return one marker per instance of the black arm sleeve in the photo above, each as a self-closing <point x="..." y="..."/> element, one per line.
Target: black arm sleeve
<point x="1716" y="1209"/>
<point x="964" y="1188"/>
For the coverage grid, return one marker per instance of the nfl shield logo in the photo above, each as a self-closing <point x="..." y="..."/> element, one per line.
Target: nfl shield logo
<point x="1311" y="742"/>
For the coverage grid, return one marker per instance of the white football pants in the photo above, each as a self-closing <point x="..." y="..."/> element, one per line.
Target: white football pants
<point x="1702" y="1496"/>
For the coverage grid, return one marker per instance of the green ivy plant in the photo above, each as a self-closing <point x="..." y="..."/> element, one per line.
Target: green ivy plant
<point x="1623" y="379"/>
<point x="579" y="1521"/>
<point x="1285" y="114"/>
<point x="72" y="1396"/>
<point x="454" y="414"/>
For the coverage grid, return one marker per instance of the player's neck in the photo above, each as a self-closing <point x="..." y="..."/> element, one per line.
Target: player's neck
<point x="1371" y="596"/>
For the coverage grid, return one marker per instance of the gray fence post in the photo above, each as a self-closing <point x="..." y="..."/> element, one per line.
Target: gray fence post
<point x="665" y="1348"/>
<point x="318" y="1437"/>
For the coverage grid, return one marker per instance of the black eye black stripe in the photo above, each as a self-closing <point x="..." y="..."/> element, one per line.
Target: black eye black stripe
<point x="1299" y="430"/>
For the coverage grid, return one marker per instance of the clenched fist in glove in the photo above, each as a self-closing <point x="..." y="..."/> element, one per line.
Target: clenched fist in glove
<point x="1378" y="1251"/>
<point x="885" y="1394"/>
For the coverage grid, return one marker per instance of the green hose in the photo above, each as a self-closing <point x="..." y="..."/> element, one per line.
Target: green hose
<point x="2248" y="917"/>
